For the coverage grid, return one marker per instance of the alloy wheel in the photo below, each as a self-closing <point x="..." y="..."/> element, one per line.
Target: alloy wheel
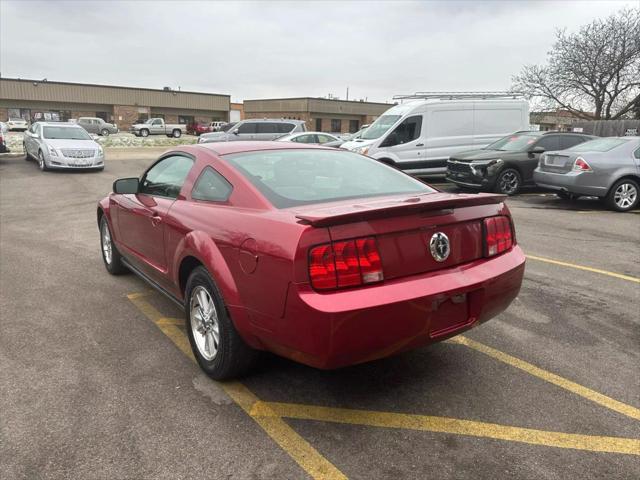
<point x="625" y="195"/>
<point x="509" y="182"/>
<point x="107" y="247"/>
<point x="41" y="163"/>
<point x="204" y="323"/>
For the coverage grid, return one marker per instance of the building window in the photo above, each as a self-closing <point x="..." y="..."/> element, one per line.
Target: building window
<point x="336" y="125"/>
<point x="354" y="126"/>
<point x="103" y="115"/>
<point x="318" y="124"/>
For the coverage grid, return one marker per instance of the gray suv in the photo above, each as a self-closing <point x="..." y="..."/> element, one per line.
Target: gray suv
<point x="264" y="129"/>
<point x="97" y="125"/>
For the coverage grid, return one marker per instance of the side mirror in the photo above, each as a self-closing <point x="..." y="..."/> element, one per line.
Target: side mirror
<point x="126" y="186"/>
<point x="537" y="150"/>
<point x="235" y="132"/>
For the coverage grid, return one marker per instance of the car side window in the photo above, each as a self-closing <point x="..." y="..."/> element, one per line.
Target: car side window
<point x="249" y="127"/>
<point x="33" y="128"/>
<point x="308" y="138"/>
<point x="166" y="177"/>
<point x="551" y="142"/>
<point x="211" y="186"/>
<point x="285" y="127"/>
<point x="157" y="122"/>
<point x="325" y="138"/>
<point x="407" y="131"/>
<point x="637" y="153"/>
<point x="569" y="141"/>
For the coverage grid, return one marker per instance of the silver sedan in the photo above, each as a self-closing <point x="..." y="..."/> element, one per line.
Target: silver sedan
<point x="608" y="168"/>
<point x="62" y="146"/>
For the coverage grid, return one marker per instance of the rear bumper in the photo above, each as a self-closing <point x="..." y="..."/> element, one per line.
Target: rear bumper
<point x="572" y="182"/>
<point x="359" y="325"/>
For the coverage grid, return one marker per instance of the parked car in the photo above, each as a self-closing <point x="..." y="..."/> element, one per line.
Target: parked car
<point x="342" y="139"/>
<point x="62" y="146"/>
<point x="18" y="124"/>
<point x="262" y="129"/>
<point x="157" y="126"/>
<point x="217" y="126"/>
<point x="419" y="136"/>
<point x="4" y="130"/>
<point x="97" y="125"/>
<point x="607" y="168"/>
<point x="318" y="254"/>
<point x="319" y="138"/>
<point x="199" y="128"/>
<point x="508" y="164"/>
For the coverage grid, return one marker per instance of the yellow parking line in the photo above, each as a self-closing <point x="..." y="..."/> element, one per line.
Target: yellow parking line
<point x="557" y="380"/>
<point x="591" y="443"/>
<point x="298" y="448"/>
<point x="628" y="278"/>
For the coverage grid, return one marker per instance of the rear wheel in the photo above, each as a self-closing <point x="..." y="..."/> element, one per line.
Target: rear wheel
<point x="623" y="196"/>
<point x="216" y="344"/>
<point x="105" y="132"/>
<point x="110" y="255"/>
<point x="177" y="133"/>
<point x="508" y="182"/>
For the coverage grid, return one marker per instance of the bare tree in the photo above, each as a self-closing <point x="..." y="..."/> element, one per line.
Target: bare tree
<point x="593" y="73"/>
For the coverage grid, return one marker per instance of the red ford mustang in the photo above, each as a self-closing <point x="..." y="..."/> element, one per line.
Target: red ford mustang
<point x="320" y="255"/>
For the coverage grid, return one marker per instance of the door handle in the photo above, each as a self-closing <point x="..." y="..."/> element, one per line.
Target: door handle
<point x="419" y="144"/>
<point x="155" y="220"/>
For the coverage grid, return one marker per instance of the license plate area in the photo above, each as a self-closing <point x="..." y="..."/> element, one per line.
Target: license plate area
<point x="450" y="314"/>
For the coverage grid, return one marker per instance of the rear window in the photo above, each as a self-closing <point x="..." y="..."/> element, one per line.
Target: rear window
<point x="599" y="145"/>
<point x="289" y="178"/>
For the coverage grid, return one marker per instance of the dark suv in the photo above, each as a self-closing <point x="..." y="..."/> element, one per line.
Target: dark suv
<point x="506" y="165"/>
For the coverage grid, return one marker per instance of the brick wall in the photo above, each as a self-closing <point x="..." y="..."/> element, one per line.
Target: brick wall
<point x="126" y="115"/>
<point x="78" y="113"/>
<point x="4" y="114"/>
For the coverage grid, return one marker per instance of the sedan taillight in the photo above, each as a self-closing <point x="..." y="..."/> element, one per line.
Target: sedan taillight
<point x="498" y="235"/>
<point x="345" y="264"/>
<point x="581" y="166"/>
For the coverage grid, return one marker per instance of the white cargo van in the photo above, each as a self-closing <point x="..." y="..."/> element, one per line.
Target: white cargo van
<point x="419" y="136"/>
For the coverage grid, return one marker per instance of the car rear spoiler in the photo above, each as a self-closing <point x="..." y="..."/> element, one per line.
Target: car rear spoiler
<point x="435" y="203"/>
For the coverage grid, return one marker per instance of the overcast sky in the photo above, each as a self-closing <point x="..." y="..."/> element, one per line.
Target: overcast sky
<point x="286" y="49"/>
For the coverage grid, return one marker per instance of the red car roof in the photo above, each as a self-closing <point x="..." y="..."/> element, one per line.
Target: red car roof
<point x="224" y="148"/>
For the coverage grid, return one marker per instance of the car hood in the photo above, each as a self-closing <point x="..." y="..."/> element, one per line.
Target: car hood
<point x="482" y="154"/>
<point x="357" y="144"/>
<point x="64" y="143"/>
<point x="215" y="136"/>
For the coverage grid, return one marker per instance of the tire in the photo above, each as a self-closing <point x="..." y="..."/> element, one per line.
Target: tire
<point x="144" y="132"/>
<point x="508" y="182"/>
<point x="229" y="356"/>
<point x="177" y="133"/>
<point x="42" y="165"/>
<point x="624" y="195"/>
<point x="104" y="132"/>
<point x="110" y="255"/>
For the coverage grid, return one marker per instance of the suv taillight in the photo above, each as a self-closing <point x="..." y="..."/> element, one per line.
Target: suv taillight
<point x="498" y="235"/>
<point x="345" y="264"/>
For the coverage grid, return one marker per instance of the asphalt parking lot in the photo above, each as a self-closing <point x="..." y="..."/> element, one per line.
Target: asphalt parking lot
<point x="96" y="380"/>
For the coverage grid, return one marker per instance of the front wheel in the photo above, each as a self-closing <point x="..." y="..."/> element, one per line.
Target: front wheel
<point x="177" y="133"/>
<point x="217" y="346"/>
<point x="623" y="196"/>
<point x="42" y="164"/>
<point x="144" y="133"/>
<point x="110" y="255"/>
<point x="508" y="182"/>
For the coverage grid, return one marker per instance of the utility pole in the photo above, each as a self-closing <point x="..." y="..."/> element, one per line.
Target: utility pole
<point x="347" y="93"/>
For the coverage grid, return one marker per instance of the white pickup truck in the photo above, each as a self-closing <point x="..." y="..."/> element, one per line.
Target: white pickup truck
<point x="156" y="126"/>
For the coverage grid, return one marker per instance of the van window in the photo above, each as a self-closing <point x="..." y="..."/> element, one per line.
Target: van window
<point x="496" y="121"/>
<point x="380" y="127"/>
<point x="451" y="123"/>
<point x="407" y="131"/>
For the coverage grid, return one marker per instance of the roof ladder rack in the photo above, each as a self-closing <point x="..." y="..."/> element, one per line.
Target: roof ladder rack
<point x="458" y="95"/>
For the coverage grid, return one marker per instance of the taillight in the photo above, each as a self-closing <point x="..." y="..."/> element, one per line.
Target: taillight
<point x="581" y="166"/>
<point x="498" y="236"/>
<point x="345" y="264"/>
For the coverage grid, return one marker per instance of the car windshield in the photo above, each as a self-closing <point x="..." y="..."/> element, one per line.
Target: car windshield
<point x="289" y="178"/>
<point x="65" y="133"/>
<point x="380" y="127"/>
<point x="228" y="126"/>
<point x="513" y="143"/>
<point x="149" y="121"/>
<point x="16" y="120"/>
<point x="599" y="145"/>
